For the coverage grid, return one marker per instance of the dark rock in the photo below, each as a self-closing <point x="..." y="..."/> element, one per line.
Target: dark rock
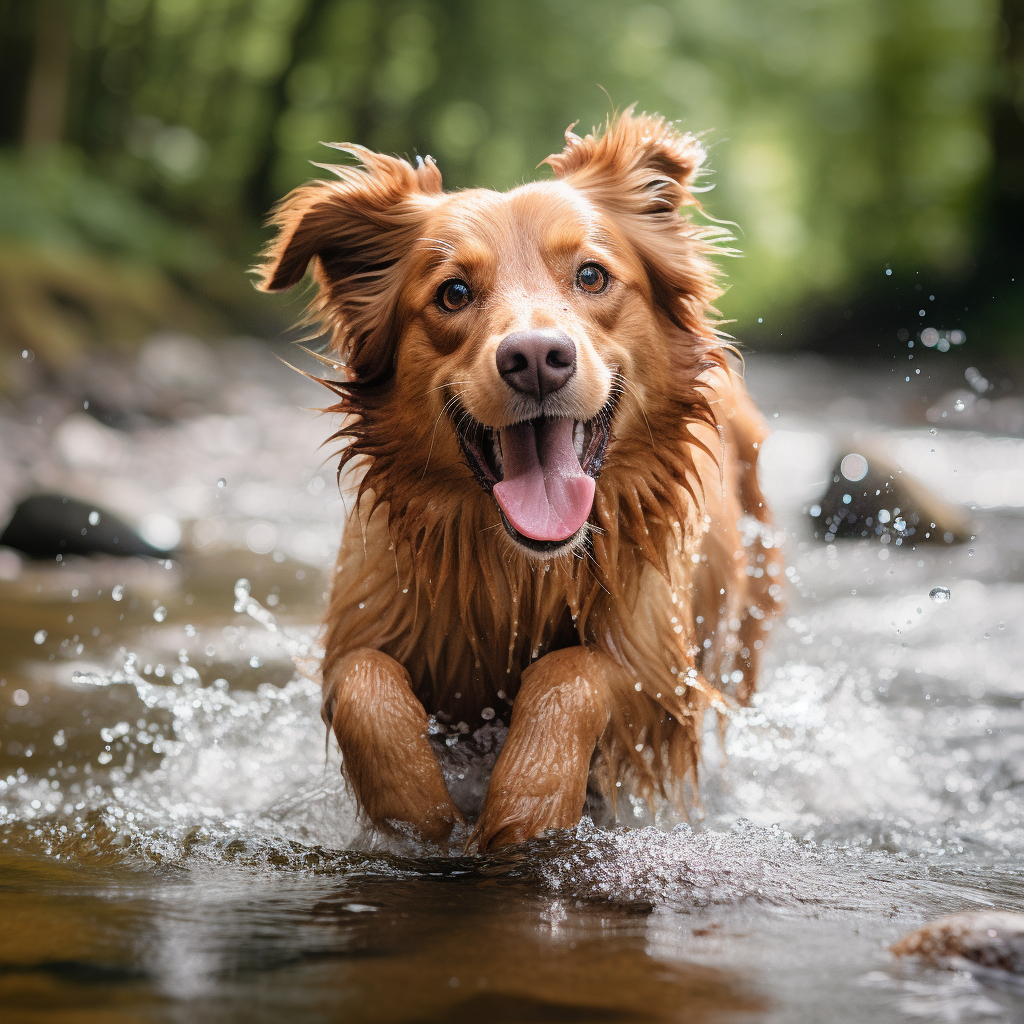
<point x="992" y="940"/>
<point x="870" y="497"/>
<point x="47" y="525"/>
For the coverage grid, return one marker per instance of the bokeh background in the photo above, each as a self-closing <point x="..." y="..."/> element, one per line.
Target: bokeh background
<point x="870" y="152"/>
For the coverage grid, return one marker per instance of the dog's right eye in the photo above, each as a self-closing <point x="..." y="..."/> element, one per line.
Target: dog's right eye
<point x="453" y="295"/>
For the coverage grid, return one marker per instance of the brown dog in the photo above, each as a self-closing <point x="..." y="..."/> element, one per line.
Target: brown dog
<point x="558" y="502"/>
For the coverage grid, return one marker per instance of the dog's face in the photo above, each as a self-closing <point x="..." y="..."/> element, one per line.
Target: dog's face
<point x="523" y="314"/>
<point x="526" y="328"/>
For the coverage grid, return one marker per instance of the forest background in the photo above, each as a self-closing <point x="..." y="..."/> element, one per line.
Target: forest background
<point x="869" y="152"/>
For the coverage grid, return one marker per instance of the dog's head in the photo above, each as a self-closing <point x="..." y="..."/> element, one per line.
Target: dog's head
<point x="521" y="334"/>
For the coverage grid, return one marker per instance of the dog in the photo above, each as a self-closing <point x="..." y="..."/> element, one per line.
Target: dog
<point x="558" y="520"/>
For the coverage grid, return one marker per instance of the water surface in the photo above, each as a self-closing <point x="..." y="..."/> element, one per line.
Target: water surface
<point x="176" y="842"/>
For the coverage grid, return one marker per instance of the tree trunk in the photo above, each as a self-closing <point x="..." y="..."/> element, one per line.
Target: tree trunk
<point x="47" y="99"/>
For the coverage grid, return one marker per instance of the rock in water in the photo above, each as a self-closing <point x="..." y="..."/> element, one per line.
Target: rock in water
<point x="47" y="525"/>
<point x="990" y="940"/>
<point x="872" y="497"/>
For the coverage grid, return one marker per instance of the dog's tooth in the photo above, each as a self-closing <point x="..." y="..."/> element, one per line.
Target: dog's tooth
<point x="577" y="439"/>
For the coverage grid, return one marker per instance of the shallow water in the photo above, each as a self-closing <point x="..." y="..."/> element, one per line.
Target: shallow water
<point x="177" y="844"/>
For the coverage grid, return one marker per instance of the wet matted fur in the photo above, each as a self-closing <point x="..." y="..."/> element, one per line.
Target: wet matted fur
<point x="614" y="640"/>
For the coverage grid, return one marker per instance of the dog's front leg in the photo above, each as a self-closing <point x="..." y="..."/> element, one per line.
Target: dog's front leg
<point x="382" y="731"/>
<point x="540" y="779"/>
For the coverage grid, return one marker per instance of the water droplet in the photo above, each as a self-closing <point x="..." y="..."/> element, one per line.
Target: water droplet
<point x="261" y="538"/>
<point x="94" y="518"/>
<point x="933" y="431"/>
<point x="255" y="661"/>
<point x="487" y="714"/>
<point x="222" y="482"/>
<point x="40" y="636"/>
<point x="242" y="590"/>
<point x="854" y="467"/>
<point x="160" y="614"/>
<point x="20" y="697"/>
<point x="940" y="595"/>
<point x="117" y="592"/>
<point x="958" y="405"/>
<point x="883" y="515"/>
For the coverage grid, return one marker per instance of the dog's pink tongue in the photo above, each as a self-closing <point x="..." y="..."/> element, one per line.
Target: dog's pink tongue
<point x="545" y="494"/>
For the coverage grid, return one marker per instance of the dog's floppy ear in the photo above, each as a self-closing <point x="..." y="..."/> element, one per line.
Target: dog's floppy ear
<point x="354" y="231"/>
<point x="641" y="171"/>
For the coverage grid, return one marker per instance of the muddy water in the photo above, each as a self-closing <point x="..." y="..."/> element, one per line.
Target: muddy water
<point x="176" y="843"/>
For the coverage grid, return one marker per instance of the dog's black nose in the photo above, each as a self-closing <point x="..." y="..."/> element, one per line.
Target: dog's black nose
<point x="537" y="362"/>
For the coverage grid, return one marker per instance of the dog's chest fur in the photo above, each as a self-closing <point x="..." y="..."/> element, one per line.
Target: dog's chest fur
<point x="503" y="610"/>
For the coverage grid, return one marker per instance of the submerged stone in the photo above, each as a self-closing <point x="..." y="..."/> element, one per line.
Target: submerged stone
<point x="989" y="939"/>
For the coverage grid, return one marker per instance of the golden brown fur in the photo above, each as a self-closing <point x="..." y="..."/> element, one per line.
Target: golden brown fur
<point x="615" y="645"/>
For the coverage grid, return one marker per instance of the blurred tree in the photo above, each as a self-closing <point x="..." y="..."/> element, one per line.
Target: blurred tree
<point x="1001" y="266"/>
<point x="46" y="103"/>
<point x="846" y="136"/>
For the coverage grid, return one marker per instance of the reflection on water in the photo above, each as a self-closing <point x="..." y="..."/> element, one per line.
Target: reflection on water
<point x="176" y="842"/>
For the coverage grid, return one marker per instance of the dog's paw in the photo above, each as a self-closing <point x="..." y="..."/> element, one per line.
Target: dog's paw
<point x="522" y="819"/>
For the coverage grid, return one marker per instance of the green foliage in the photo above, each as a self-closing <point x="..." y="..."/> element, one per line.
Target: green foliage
<point x="56" y="203"/>
<point x="83" y="261"/>
<point x="844" y="135"/>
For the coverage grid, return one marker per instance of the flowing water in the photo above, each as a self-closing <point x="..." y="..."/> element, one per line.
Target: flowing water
<point x="176" y="843"/>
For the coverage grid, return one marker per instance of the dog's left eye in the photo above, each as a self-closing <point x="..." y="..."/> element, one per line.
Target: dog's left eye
<point x="453" y="295"/>
<point x="592" y="277"/>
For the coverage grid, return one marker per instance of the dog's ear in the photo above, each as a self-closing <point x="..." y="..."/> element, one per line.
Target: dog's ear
<point x="641" y="171"/>
<point x="355" y="232"/>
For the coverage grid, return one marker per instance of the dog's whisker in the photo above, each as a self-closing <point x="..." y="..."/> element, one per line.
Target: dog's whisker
<point x="451" y="383"/>
<point x="628" y="384"/>
<point x="433" y="433"/>
<point x="439" y="242"/>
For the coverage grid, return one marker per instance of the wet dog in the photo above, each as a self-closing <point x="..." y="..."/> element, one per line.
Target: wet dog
<point x="558" y="518"/>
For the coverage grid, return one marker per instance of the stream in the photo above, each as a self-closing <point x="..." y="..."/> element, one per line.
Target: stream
<point x="177" y="843"/>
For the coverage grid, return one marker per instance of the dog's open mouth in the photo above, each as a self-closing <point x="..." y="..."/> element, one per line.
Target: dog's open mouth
<point x="542" y="472"/>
